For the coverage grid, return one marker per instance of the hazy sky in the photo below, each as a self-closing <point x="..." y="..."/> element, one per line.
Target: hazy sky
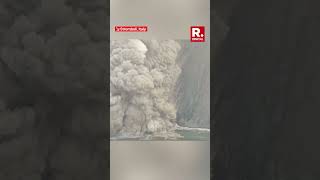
<point x="166" y="19"/>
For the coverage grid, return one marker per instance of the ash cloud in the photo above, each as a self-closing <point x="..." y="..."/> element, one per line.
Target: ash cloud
<point x="142" y="81"/>
<point x="53" y="65"/>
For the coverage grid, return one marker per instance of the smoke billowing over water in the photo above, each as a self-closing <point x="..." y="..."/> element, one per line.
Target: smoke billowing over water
<point x="143" y="75"/>
<point x="150" y="85"/>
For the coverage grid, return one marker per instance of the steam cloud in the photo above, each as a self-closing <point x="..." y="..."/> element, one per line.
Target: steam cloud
<point x="142" y="81"/>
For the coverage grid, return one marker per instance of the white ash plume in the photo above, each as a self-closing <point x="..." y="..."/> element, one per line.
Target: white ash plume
<point x="142" y="79"/>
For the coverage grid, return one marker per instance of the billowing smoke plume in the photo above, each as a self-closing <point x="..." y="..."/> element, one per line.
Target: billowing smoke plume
<point x="142" y="81"/>
<point x="53" y="63"/>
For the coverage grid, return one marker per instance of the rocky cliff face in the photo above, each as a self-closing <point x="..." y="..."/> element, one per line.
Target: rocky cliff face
<point x="193" y="86"/>
<point x="266" y="93"/>
<point x="52" y="93"/>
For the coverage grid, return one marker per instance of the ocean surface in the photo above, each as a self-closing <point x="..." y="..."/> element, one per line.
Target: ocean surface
<point x="184" y="134"/>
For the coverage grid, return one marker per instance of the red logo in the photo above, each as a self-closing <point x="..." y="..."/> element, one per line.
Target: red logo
<point x="131" y="28"/>
<point x="197" y="34"/>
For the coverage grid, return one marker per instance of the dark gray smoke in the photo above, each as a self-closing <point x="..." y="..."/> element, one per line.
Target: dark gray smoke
<point x="53" y="63"/>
